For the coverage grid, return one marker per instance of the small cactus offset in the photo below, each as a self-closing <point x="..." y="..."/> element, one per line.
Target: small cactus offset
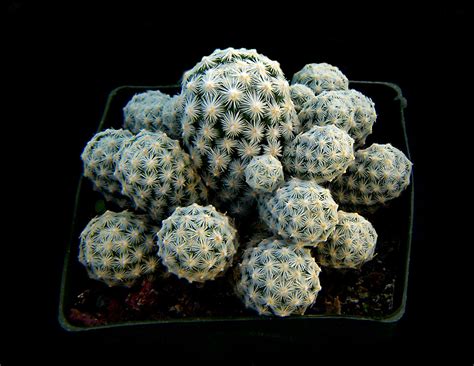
<point x="278" y="278"/>
<point x="234" y="111"/>
<point x="349" y="110"/>
<point x="301" y="212"/>
<point x="321" y="77"/>
<point x="197" y="243"/>
<point x="264" y="174"/>
<point x="320" y="154"/>
<point x="158" y="175"/>
<point x="118" y="249"/>
<point x="350" y="245"/>
<point x="300" y="94"/>
<point x="378" y="174"/>
<point x="144" y="111"/>
<point x="237" y="185"/>
<point x="99" y="158"/>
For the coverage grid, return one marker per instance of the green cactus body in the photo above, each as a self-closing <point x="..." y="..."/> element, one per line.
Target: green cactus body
<point x="171" y="117"/>
<point x="349" y="110"/>
<point x="99" y="159"/>
<point x="301" y="212"/>
<point x="364" y="115"/>
<point x="378" y="174"/>
<point x="350" y="245"/>
<point x="197" y="243"/>
<point x="300" y="94"/>
<point x="118" y="249"/>
<point x="144" y="111"/>
<point x="278" y="278"/>
<point x="321" y="77"/>
<point x="158" y="175"/>
<point x="234" y="111"/>
<point x="320" y="154"/>
<point x="264" y="174"/>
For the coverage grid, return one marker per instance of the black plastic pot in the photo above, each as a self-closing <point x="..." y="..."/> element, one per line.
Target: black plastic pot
<point x="396" y="222"/>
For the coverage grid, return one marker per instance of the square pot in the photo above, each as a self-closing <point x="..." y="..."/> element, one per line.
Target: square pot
<point x="394" y="226"/>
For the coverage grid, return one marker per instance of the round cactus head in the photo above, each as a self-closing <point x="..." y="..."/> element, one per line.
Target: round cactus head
<point x="118" y="249"/>
<point x="264" y="174"/>
<point x="300" y="94"/>
<point x="378" y="174"/>
<point x="364" y="115"/>
<point x="144" y="111"/>
<point x="278" y="278"/>
<point x="320" y="154"/>
<point x="321" y="77"/>
<point x="350" y="245"/>
<point x="158" y="175"/>
<point x="232" y="112"/>
<point x="99" y="158"/>
<point x="197" y="243"/>
<point x="302" y="212"/>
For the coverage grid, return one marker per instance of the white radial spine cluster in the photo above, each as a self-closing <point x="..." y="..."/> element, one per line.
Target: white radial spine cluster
<point x="320" y="154"/>
<point x="351" y="244"/>
<point x="118" y="249"/>
<point x="378" y="174"/>
<point x="145" y="111"/>
<point x="99" y="159"/>
<point x="301" y="212"/>
<point x="278" y="278"/>
<point x="197" y="243"/>
<point x="321" y="77"/>
<point x="264" y="174"/>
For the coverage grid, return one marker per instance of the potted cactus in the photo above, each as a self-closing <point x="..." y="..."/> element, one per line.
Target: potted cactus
<point x="242" y="197"/>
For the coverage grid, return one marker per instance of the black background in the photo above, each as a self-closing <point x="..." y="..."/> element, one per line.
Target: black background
<point x="60" y="62"/>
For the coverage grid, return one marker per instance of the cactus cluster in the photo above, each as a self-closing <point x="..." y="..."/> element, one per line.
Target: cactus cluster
<point x="118" y="248"/>
<point x="193" y="165"/>
<point x="156" y="173"/>
<point x="321" y="77"/>
<point x="348" y="110"/>
<point x="351" y="244"/>
<point x="320" y="154"/>
<point x="99" y="160"/>
<point x="197" y="243"/>
<point x="300" y="211"/>
<point x="378" y="174"/>
<point x="278" y="278"/>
